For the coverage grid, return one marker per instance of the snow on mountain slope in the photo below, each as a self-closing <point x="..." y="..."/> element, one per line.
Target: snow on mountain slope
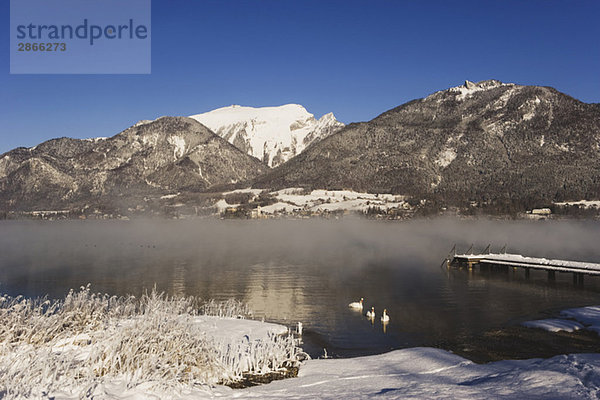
<point x="271" y="134"/>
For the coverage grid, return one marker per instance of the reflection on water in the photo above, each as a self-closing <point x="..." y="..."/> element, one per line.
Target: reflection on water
<point x="178" y="280"/>
<point x="308" y="271"/>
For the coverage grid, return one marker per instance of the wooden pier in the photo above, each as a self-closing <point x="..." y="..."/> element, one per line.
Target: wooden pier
<point x="506" y="261"/>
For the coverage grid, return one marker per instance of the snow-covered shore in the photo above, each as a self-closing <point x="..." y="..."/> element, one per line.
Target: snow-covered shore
<point x="415" y="373"/>
<point x="427" y="373"/>
<point x="573" y="319"/>
<point x="99" y="347"/>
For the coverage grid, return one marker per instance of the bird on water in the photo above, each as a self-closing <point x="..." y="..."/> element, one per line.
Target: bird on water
<point x="385" y="317"/>
<point x="357" y="305"/>
<point x="371" y="314"/>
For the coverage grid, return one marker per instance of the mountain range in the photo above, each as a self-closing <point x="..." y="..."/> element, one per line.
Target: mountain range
<point x="147" y="159"/>
<point x="486" y="141"/>
<point x="482" y="142"/>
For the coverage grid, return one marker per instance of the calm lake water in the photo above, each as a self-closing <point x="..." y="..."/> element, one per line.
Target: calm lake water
<point x="289" y="271"/>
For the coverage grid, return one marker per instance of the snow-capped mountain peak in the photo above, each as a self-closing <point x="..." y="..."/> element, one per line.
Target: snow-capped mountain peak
<point x="271" y="134"/>
<point x="466" y="90"/>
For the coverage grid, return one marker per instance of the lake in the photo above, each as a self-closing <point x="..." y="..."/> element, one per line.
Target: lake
<point x="309" y="270"/>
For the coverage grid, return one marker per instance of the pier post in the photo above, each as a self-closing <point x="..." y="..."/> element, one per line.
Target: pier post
<point x="527" y="273"/>
<point x="580" y="280"/>
<point x="551" y="275"/>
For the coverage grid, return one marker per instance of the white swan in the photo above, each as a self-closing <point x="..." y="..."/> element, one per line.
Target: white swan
<point x="357" y="305"/>
<point x="385" y="317"/>
<point x="371" y="314"/>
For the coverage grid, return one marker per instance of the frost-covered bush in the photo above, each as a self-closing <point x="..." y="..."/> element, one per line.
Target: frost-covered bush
<point x="88" y="339"/>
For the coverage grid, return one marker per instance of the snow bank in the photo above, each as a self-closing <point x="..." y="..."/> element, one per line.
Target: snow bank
<point x="427" y="373"/>
<point x="578" y="318"/>
<point x="585" y="315"/>
<point x="554" y="325"/>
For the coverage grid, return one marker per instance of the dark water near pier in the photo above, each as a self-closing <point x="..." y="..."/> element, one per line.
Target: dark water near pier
<point x="289" y="271"/>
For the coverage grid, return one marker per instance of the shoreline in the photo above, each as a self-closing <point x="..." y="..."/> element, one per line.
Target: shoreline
<point x="425" y="372"/>
<point x="512" y="361"/>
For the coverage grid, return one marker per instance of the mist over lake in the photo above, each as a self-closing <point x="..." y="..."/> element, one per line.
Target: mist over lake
<point x="289" y="271"/>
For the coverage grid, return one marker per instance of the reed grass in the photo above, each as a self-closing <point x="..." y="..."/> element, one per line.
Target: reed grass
<point x="87" y="339"/>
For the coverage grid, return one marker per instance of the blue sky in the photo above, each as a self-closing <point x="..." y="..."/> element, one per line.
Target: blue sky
<point x="354" y="58"/>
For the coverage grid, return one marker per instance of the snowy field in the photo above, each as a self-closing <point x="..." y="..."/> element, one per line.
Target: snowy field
<point x="296" y="199"/>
